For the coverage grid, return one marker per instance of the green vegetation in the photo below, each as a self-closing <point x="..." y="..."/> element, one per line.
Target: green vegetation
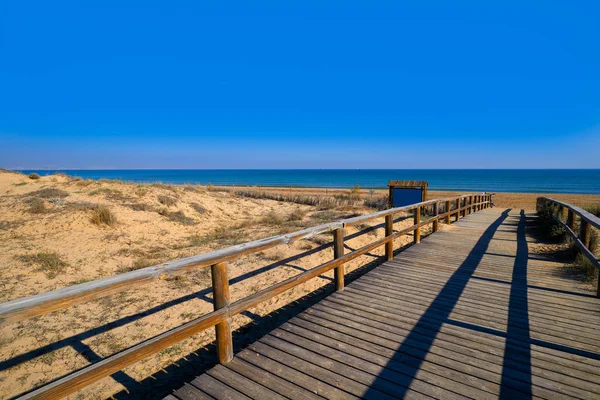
<point x="34" y="176"/>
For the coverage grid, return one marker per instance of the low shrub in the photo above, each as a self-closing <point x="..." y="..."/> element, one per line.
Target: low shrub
<point x="34" y="176"/>
<point x="49" y="262"/>
<point x="177" y="216"/>
<point x="198" y="208"/>
<point x="37" y="206"/>
<point x="378" y="203"/>
<point x="47" y="193"/>
<point x="296" y="215"/>
<point x="102" y="215"/>
<point x="166" y="200"/>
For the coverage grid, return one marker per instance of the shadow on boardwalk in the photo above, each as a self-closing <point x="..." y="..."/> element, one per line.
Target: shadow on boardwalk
<point x="439" y="311"/>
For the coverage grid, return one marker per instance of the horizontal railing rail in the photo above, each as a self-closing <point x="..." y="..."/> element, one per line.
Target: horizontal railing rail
<point x="20" y="309"/>
<point x="568" y="216"/>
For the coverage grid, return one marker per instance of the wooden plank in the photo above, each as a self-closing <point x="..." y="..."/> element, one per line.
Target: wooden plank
<point x="299" y="376"/>
<point x="189" y="392"/>
<point x="242" y="384"/>
<point x="217" y="389"/>
<point x="270" y="380"/>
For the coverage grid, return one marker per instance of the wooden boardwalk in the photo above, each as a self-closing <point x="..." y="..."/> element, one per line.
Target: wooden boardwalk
<point x="467" y="313"/>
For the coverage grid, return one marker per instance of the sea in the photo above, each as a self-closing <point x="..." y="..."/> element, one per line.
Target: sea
<point x="583" y="181"/>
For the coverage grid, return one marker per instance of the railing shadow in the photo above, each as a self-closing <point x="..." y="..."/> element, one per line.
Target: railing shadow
<point x="439" y="310"/>
<point x="517" y="329"/>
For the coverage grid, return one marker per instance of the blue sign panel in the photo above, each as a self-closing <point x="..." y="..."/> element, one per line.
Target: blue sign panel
<point x="406" y="196"/>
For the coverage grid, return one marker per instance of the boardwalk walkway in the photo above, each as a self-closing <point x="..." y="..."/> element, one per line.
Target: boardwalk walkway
<point x="467" y="313"/>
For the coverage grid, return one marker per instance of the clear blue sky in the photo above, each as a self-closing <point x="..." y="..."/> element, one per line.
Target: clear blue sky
<point x="299" y="84"/>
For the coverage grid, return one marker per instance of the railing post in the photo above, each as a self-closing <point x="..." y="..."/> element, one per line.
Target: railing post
<point x="448" y="212"/>
<point x="458" y="201"/>
<point x="436" y="221"/>
<point x="562" y="213"/>
<point x="220" y="287"/>
<point x="416" y="220"/>
<point x="389" y="231"/>
<point x="571" y="219"/>
<point x="478" y="200"/>
<point x="584" y="233"/>
<point x="338" y="251"/>
<point x="470" y="204"/>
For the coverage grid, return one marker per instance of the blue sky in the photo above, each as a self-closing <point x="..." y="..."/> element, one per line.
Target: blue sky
<point x="303" y="84"/>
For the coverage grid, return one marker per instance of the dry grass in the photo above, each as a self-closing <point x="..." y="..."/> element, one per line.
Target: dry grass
<point x="223" y="235"/>
<point x="177" y="216"/>
<point x="102" y="215"/>
<point x="49" y="262"/>
<point x="37" y="206"/>
<point x="198" y="208"/>
<point x="48" y="193"/>
<point x="296" y="215"/>
<point x="166" y="200"/>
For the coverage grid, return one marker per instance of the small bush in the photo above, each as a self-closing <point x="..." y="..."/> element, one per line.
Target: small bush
<point x="48" y="193"/>
<point x="548" y="227"/>
<point x="378" y="203"/>
<point x="177" y="216"/>
<point x="34" y="176"/>
<point x="272" y="218"/>
<point x="103" y="216"/>
<point x="37" y="206"/>
<point x="166" y="200"/>
<point x="296" y="215"/>
<point x="355" y="192"/>
<point x="139" y="206"/>
<point x="49" y="263"/>
<point x="198" y="208"/>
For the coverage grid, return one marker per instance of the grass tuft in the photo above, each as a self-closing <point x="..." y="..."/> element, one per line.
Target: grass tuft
<point x="101" y="215"/>
<point x="34" y="176"/>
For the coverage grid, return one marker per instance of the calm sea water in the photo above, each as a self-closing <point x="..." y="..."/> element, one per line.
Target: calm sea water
<point x="522" y="181"/>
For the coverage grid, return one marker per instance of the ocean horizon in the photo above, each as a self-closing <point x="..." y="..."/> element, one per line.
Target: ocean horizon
<point x="578" y="181"/>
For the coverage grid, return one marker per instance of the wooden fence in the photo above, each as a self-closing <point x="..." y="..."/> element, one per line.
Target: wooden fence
<point x="568" y="217"/>
<point x="44" y="303"/>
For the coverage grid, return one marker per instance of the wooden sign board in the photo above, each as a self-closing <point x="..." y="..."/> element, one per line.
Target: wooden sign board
<point x="404" y="193"/>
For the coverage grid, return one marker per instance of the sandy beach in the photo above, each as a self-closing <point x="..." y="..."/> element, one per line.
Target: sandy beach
<point x="58" y="231"/>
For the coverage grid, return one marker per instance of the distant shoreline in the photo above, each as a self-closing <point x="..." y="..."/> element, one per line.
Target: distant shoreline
<point x="548" y="181"/>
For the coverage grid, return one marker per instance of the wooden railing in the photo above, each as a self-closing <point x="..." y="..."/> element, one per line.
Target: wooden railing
<point x="568" y="216"/>
<point x="44" y="303"/>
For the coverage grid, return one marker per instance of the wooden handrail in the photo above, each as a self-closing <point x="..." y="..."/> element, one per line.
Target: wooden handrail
<point x="223" y="311"/>
<point x="586" y="221"/>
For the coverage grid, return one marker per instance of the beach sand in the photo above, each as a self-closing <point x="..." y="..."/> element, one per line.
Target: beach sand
<point x="49" y="241"/>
